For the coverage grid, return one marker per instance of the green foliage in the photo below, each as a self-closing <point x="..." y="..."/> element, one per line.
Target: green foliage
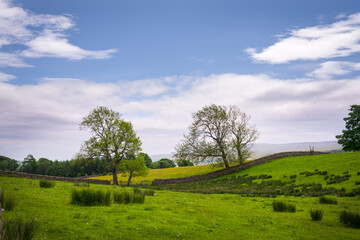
<point x="148" y="160"/>
<point x="350" y="138"/>
<point x="279" y="206"/>
<point x="350" y="219"/>
<point x="127" y="197"/>
<point x="164" y="163"/>
<point x="134" y="167"/>
<point x="112" y="138"/>
<point x="46" y="184"/>
<point x="89" y="197"/>
<point x="316" y="215"/>
<point x="7" y="202"/>
<point x="8" y="164"/>
<point x="149" y="192"/>
<point x="184" y="163"/>
<point x="326" y="200"/>
<point x="20" y="228"/>
<point x="29" y="164"/>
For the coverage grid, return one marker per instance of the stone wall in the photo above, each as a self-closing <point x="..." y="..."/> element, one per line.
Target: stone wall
<point x="52" y="178"/>
<point x="233" y="169"/>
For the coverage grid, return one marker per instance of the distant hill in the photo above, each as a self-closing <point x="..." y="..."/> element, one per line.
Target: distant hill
<point x="263" y="149"/>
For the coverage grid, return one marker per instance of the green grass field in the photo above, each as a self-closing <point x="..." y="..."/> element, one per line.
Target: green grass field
<point x="177" y="172"/>
<point x="336" y="164"/>
<point x="179" y="215"/>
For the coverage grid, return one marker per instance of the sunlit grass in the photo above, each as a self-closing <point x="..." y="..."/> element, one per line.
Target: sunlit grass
<point x="177" y="172"/>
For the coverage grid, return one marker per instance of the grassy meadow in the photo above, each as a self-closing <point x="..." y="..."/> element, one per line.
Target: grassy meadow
<point x="182" y="215"/>
<point x="177" y="172"/>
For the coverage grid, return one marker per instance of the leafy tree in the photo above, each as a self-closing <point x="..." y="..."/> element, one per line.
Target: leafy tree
<point x="8" y="164"/>
<point x="112" y="138"/>
<point x="350" y="138"/>
<point x="148" y="161"/>
<point x="184" y="163"/>
<point x="217" y="133"/>
<point x="29" y="164"/>
<point x="44" y="166"/>
<point x="164" y="163"/>
<point x="134" y="167"/>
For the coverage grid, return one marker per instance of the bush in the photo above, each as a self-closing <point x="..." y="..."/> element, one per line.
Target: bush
<point x="125" y="197"/>
<point x="149" y="192"/>
<point x="325" y="200"/>
<point x="279" y="206"/>
<point x="316" y="215"/>
<point x="7" y="202"/>
<point x="89" y="197"/>
<point x="19" y="228"/>
<point x="291" y="208"/>
<point x="350" y="219"/>
<point x="46" y="184"/>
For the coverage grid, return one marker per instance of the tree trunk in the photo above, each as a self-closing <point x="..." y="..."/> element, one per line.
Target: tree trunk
<point x="129" y="180"/>
<point x="115" y="179"/>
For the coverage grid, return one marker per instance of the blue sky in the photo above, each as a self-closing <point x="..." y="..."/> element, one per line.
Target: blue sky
<point x="292" y="65"/>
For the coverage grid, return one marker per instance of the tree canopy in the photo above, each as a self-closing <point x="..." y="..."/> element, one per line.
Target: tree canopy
<point x="218" y="133"/>
<point x="350" y="137"/>
<point x="164" y="163"/>
<point x="112" y="138"/>
<point x="134" y="166"/>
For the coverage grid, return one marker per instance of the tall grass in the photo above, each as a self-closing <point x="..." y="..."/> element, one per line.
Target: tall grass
<point x="279" y="206"/>
<point x="316" y="215"/>
<point x="89" y="197"/>
<point x="127" y="197"/>
<point x="46" y="184"/>
<point x="326" y="200"/>
<point x="19" y="228"/>
<point x="7" y="202"/>
<point x="350" y="219"/>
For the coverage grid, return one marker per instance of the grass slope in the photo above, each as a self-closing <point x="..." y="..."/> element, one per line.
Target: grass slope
<point x="338" y="164"/>
<point x="174" y="215"/>
<point x="177" y="172"/>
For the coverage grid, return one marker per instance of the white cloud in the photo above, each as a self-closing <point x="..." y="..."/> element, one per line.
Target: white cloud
<point x="4" y="77"/>
<point x="284" y="111"/>
<point x="334" y="68"/>
<point x="42" y="35"/>
<point x="339" y="39"/>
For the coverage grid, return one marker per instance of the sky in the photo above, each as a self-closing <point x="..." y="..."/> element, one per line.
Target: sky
<point x="293" y="66"/>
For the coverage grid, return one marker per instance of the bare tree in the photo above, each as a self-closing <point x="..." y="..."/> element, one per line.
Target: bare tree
<point x="217" y="133"/>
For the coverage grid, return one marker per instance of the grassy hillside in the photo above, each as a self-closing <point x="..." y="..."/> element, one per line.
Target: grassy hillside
<point x="174" y="215"/>
<point x="163" y="173"/>
<point x="336" y="170"/>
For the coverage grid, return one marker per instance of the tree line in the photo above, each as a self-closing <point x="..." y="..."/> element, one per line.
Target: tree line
<point x="71" y="168"/>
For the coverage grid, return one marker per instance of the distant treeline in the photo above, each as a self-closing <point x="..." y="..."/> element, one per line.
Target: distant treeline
<point x="73" y="168"/>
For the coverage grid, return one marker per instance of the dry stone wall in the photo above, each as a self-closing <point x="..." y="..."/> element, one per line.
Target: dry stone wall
<point x="233" y="169"/>
<point x="52" y="178"/>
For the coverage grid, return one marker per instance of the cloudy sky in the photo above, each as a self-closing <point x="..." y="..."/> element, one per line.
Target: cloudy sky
<point x="292" y="65"/>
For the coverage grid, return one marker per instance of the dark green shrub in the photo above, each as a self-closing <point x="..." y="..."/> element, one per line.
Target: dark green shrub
<point x="149" y="192"/>
<point x="46" y="184"/>
<point x="19" y="228"/>
<point x="7" y="202"/>
<point x="291" y="208"/>
<point x="126" y="197"/>
<point x="279" y="206"/>
<point x="325" y="200"/>
<point x="137" y="190"/>
<point x="316" y="215"/>
<point x="350" y="219"/>
<point x="89" y="197"/>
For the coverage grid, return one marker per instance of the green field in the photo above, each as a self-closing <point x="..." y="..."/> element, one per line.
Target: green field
<point x="177" y="172"/>
<point x="179" y="215"/>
